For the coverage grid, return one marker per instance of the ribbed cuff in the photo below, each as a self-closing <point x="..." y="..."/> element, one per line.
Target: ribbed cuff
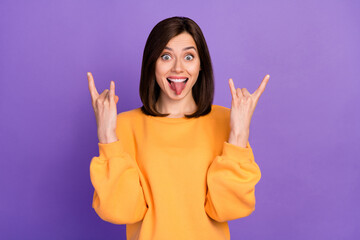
<point x="109" y="150"/>
<point x="238" y="153"/>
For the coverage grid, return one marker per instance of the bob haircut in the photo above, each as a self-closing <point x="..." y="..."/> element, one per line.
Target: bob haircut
<point x="160" y="35"/>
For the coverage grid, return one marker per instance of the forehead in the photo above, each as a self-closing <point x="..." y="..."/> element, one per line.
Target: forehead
<point x="181" y="41"/>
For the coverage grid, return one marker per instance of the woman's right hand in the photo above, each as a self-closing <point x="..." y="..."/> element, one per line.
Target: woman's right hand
<point x="104" y="106"/>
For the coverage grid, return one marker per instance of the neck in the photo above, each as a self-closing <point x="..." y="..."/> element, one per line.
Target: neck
<point x="176" y="108"/>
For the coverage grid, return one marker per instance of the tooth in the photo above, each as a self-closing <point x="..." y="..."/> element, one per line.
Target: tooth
<point x="177" y="80"/>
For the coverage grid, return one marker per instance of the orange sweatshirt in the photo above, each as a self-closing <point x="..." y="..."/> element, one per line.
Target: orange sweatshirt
<point x="174" y="178"/>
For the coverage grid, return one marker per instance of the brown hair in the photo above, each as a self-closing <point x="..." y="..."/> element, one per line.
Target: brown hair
<point x="160" y="35"/>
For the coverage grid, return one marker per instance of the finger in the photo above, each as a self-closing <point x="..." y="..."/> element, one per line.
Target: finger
<point x="116" y="99"/>
<point x="107" y="100"/>
<point x="93" y="92"/>
<point x="239" y="93"/>
<point x="106" y="97"/>
<point x="103" y="96"/>
<point x="262" y="86"/>
<point x="245" y="92"/>
<point x="232" y="88"/>
<point x="112" y="92"/>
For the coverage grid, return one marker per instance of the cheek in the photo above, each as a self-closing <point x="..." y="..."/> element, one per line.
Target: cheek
<point x="194" y="69"/>
<point x="161" y="70"/>
<point x="158" y="71"/>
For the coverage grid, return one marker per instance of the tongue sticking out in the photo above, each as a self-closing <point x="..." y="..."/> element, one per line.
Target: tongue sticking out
<point x="178" y="87"/>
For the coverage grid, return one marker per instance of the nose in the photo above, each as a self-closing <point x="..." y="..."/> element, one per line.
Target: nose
<point x="177" y="66"/>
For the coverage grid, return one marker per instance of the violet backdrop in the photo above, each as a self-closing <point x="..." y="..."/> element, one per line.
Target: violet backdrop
<point x="305" y="130"/>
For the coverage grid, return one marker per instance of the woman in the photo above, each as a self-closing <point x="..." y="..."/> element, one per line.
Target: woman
<point x="178" y="167"/>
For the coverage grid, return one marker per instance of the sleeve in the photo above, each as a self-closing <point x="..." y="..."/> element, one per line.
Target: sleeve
<point x="118" y="197"/>
<point x="231" y="181"/>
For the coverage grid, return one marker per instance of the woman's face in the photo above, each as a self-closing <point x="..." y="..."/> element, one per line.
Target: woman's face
<point x="178" y="66"/>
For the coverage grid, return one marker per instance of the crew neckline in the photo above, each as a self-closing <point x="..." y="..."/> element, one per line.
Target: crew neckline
<point x="177" y="120"/>
<point x="171" y="120"/>
<point x="174" y="120"/>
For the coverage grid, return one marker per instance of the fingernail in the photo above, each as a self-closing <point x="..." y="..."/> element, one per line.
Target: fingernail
<point x="88" y="73"/>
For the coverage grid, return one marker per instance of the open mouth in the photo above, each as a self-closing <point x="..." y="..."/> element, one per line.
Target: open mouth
<point x="177" y="84"/>
<point x="177" y="80"/>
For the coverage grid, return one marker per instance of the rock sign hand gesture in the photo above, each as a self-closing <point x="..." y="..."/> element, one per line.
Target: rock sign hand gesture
<point x="242" y="108"/>
<point x="104" y="106"/>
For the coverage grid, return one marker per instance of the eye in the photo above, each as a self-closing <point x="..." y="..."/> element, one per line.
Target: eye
<point x="166" y="57"/>
<point x="189" y="57"/>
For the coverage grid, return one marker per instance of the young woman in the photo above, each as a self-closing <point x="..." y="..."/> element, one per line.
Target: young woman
<point x="178" y="167"/>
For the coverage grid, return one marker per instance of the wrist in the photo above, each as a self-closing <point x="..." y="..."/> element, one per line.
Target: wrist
<point x="239" y="138"/>
<point x="108" y="138"/>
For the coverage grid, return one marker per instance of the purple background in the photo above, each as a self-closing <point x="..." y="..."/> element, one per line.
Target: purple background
<point x="305" y="130"/>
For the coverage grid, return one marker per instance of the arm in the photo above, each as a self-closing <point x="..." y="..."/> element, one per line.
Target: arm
<point x="231" y="181"/>
<point x="232" y="177"/>
<point x="118" y="197"/>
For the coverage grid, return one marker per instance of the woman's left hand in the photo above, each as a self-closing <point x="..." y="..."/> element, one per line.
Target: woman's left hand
<point x="242" y="108"/>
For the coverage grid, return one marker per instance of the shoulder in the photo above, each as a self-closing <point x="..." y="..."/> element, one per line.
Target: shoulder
<point x="220" y="119"/>
<point x="130" y="113"/>
<point x="125" y="122"/>
<point x="220" y="109"/>
<point x="129" y="116"/>
<point x="220" y="112"/>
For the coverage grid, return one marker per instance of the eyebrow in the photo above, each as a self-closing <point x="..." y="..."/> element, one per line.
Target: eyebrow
<point x="183" y="48"/>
